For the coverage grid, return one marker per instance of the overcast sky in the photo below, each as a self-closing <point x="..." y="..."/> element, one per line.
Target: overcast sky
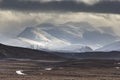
<point x="15" y="15"/>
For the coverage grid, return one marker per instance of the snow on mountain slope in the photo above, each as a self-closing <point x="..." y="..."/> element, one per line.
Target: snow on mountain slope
<point x="78" y="33"/>
<point x="52" y="45"/>
<point x="63" y="32"/>
<point x="37" y="34"/>
<point x="57" y="46"/>
<point x="42" y="38"/>
<point x="76" y="48"/>
<point x="38" y="37"/>
<point x="61" y="37"/>
<point x="110" y="47"/>
<point x="58" y="36"/>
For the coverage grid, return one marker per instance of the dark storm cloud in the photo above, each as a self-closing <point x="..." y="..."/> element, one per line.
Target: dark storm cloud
<point x="105" y="6"/>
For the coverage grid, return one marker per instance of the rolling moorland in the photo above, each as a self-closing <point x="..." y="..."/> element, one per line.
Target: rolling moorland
<point x="43" y="65"/>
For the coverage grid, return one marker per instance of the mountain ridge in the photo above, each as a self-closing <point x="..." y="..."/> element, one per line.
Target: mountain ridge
<point x="25" y="53"/>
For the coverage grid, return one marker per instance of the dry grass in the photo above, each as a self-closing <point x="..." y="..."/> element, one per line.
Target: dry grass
<point x="37" y="72"/>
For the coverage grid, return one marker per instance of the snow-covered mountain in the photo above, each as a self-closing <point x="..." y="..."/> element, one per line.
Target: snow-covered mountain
<point x="63" y="37"/>
<point x="75" y="33"/>
<point x="91" y="35"/>
<point x="52" y="37"/>
<point x="115" y="46"/>
<point x="36" y="36"/>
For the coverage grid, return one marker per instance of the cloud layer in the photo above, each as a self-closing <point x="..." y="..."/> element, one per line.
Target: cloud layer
<point x="98" y="6"/>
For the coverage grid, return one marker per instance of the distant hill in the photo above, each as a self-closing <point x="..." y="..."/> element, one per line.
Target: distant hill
<point x="24" y="53"/>
<point x="92" y="55"/>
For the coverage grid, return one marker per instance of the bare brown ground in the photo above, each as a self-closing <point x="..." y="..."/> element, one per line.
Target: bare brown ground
<point x="36" y="71"/>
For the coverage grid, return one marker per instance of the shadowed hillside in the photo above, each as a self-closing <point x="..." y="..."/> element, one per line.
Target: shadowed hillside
<point x="91" y="55"/>
<point x="24" y="53"/>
